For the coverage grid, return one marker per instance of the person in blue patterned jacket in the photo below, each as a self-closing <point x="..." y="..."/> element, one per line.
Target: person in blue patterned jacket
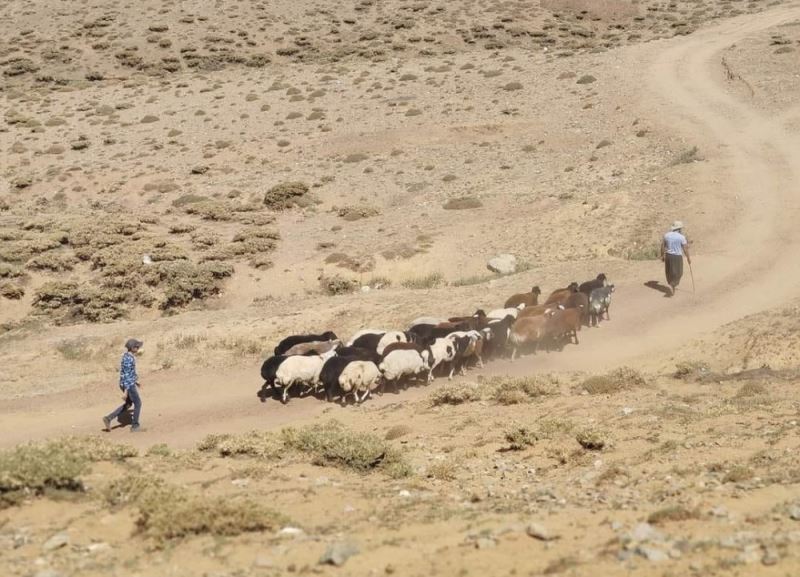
<point x="128" y="384"/>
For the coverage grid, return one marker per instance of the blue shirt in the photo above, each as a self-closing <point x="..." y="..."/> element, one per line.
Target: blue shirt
<point x="674" y="243"/>
<point x="127" y="371"/>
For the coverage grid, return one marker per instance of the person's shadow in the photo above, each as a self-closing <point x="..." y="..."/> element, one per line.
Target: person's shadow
<point x="655" y="285"/>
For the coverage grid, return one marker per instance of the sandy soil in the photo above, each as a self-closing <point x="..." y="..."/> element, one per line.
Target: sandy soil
<point x="551" y="191"/>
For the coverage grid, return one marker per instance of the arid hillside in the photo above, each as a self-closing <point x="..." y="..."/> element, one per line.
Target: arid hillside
<point x="213" y="176"/>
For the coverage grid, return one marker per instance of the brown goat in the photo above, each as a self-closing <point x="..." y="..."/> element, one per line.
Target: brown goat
<point x="528" y="299"/>
<point x="564" y="323"/>
<point x="526" y="331"/>
<point x="560" y="295"/>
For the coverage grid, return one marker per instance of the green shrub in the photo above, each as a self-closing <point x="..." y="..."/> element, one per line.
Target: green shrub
<point x="512" y="391"/>
<point x="433" y="280"/>
<point x="456" y="394"/>
<point x="333" y="444"/>
<point x="621" y="379"/>
<point x="254" y="444"/>
<point x="591" y="439"/>
<point x="36" y="468"/>
<point x="287" y="195"/>
<point x="168" y="512"/>
<point x="520" y="437"/>
<point x="337" y="284"/>
<point x="671" y="514"/>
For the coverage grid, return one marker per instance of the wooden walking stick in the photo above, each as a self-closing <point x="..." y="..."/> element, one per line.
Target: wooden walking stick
<point x="691" y="273"/>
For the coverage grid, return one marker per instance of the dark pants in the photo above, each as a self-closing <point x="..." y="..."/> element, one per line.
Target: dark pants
<point x="132" y="398"/>
<point x="673" y="268"/>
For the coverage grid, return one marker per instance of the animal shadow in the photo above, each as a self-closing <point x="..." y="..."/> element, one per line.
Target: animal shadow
<point x="655" y="285"/>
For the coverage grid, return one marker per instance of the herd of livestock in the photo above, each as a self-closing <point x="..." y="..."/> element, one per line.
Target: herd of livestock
<point x="371" y="359"/>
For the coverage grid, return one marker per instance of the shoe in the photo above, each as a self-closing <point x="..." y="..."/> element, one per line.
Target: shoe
<point x="106" y="424"/>
<point x="137" y="429"/>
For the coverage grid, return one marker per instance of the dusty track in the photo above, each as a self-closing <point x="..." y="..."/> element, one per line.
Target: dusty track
<point x="752" y="267"/>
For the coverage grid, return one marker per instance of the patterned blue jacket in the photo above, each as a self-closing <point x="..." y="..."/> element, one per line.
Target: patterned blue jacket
<point x="127" y="371"/>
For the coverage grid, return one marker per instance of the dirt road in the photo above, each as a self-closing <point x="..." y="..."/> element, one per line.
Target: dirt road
<point x="752" y="266"/>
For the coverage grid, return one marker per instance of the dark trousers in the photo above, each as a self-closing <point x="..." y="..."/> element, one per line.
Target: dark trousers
<point x="132" y="398"/>
<point x="673" y="268"/>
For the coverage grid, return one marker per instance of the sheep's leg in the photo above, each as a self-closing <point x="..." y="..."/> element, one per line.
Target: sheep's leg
<point x="452" y="370"/>
<point x="285" y="394"/>
<point x="430" y="375"/>
<point x="480" y="361"/>
<point x="575" y="334"/>
<point x="513" y="354"/>
<point x="608" y="315"/>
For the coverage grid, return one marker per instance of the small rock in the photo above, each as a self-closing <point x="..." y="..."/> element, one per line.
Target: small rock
<point x="719" y="511"/>
<point x="794" y="512"/>
<point x="338" y="553"/>
<point x="652" y="554"/>
<point x="644" y="532"/>
<point x="290" y="532"/>
<point x="770" y="557"/>
<point x="98" y="547"/>
<point x="404" y="493"/>
<point x="147" y="259"/>
<point x="540" y="532"/>
<point x="263" y="561"/>
<point x="56" y="542"/>
<point x="503" y="264"/>
<point x="485" y="543"/>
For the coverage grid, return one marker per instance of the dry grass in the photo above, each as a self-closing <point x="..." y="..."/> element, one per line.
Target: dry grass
<point x="456" y="394"/>
<point x="592" y="439"/>
<point x="516" y="390"/>
<point x="621" y="379"/>
<point x="167" y="512"/>
<point x="520" y="437"/>
<point x="331" y="443"/>
<point x="672" y="514"/>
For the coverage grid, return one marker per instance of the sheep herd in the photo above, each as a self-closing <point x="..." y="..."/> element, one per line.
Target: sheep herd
<point x="373" y="359"/>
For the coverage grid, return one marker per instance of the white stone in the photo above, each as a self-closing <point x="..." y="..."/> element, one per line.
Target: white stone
<point x="503" y="264"/>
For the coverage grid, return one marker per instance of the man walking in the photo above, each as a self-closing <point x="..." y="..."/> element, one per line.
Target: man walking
<point x="129" y="384"/>
<point x="673" y="247"/>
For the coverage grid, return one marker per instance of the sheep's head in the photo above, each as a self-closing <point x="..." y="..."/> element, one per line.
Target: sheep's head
<point x="536" y="290"/>
<point x="480" y="313"/>
<point x="573" y="287"/>
<point x="329" y="336"/>
<point x="602" y="277"/>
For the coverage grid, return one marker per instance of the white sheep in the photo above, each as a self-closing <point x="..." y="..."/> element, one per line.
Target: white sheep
<point x="402" y="363"/>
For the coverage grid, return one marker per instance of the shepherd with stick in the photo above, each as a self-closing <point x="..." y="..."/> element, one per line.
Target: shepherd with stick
<point x="673" y="247"/>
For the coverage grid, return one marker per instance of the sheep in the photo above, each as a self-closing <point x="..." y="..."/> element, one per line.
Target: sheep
<point x="299" y="369"/>
<point x="270" y="367"/>
<point x="599" y="303"/>
<point x="377" y="341"/>
<point x="360" y="376"/>
<point x="313" y="347"/>
<point x="290" y="341"/>
<point x="558" y="296"/>
<point x="341" y="376"/>
<point x="358" y="354"/>
<point x="427" y="334"/>
<point x="476" y="321"/>
<point x="402" y="363"/>
<point x="443" y="350"/>
<point x="528" y="299"/>
<point x="498" y="314"/>
<point x="424" y="351"/>
<point x="580" y="301"/>
<point x="564" y="322"/>
<point x="426" y="321"/>
<point x="526" y="331"/>
<point x="499" y="331"/>
<point x="472" y="347"/>
<point x="588" y="286"/>
<point x="538" y="310"/>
